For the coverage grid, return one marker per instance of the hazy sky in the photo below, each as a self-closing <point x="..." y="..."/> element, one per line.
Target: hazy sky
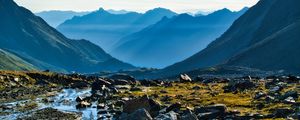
<point x="135" y="5"/>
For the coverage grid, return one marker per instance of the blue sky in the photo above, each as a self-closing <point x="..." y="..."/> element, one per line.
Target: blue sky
<point x="179" y="6"/>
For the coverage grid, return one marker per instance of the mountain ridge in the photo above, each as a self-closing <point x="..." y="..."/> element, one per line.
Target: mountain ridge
<point x="33" y="40"/>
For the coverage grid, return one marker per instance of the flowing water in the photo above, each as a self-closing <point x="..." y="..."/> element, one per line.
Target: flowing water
<point x="64" y="101"/>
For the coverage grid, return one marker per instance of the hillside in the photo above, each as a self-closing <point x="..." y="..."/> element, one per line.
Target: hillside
<point x="33" y="40"/>
<point x="265" y="37"/>
<point x="173" y="39"/>
<point x="11" y="62"/>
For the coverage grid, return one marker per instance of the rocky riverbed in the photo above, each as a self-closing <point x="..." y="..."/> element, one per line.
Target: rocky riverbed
<point x="46" y="95"/>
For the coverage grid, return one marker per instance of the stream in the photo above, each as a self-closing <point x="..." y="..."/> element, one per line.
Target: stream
<point x="64" y="101"/>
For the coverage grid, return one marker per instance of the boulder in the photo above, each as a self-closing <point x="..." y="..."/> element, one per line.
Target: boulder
<point x="196" y="88"/>
<point x="167" y="116"/>
<point x="259" y="95"/>
<point x="174" y="107"/>
<point x="212" y="111"/>
<point x="83" y="104"/>
<point x="189" y="116"/>
<point x="98" y="84"/>
<point x="208" y="115"/>
<point x="121" y="82"/>
<point x="135" y="89"/>
<point x="126" y="77"/>
<point x="276" y="89"/>
<point x="185" y="78"/>
<point x="139" y="114"/>
<point x="290" y="100"/>
<point x="144" y="102"/>
<point x="282" y="112"/>
<point x="239" y="85"/>
<point x="79" y="99"/>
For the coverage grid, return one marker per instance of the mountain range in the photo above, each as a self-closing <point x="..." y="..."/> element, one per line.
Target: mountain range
<point x="173" y="39"/>
<point x="29" y="39"/>
<point x="105" y="29"/>
<point x="265" y="37"/>
<point x="56" y="17"/>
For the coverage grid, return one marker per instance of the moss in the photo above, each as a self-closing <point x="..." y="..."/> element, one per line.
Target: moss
<point x="213" y="93"/>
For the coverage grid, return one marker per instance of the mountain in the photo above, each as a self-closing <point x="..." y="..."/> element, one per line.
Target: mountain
<point x="104" y="28"/>
<point x="265" y="37"/>
<point x="56" y="17"/>
<point x="30" y="38"/>
<point x="12" y="62"/>
<point x="173" y="39"/>
<point x="117" y="11"/>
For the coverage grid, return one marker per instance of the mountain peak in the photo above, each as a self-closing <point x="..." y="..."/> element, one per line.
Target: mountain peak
<point x="159" y="10"/>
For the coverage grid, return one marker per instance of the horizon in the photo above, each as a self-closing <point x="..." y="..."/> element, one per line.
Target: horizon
<point x="178" y="6"/>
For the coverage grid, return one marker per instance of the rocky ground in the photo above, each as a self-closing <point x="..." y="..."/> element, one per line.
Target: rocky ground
<point x="125" y="98"/>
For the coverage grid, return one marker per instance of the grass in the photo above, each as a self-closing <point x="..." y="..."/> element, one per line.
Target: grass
<point x="210" y="94"/>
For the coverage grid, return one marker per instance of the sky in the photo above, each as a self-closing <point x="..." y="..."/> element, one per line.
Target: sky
<point x="179" y="6"/>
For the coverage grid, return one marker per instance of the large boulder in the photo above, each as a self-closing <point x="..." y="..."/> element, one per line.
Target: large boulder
<point x="167" y="116"/>
<point x="174" y="107"/>
<point x="211" y="112"/>
<point x="189" y="116"/>
<point x="140" y="114"/>
<point x="144" y="102"/>
<point x="239" y="85"/>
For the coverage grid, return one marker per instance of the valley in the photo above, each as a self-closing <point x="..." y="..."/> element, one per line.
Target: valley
<point x="33" y="95"/>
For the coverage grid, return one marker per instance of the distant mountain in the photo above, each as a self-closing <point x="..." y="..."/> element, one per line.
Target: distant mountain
<point x="56" y="17"/>
<point x="104" y="28"/>
<point x="30" y="38"/>
<point x="265" y="37"/>
<point x="117" y="11"/>
<point x="11" y="62"/>
<point x="173" y="39"/>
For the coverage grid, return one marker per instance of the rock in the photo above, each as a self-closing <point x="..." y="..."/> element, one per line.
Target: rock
<point x="167" y="116"/>
<point x="144" y="102"/>
<point x="165" y="98"/>
<point x="293" y="94"/>
<point x="185" y="78"/>
<point x="290" y="100"/>
<point x="282" y="112"/>
<point x="196" y="88"/>
<point x="101" y="106"/>
<point x="148" y="83"/>
<point x="239" y="85"/>
<point x="83" y="104"/>
<point x="259" y="95"/>
<point x="79" y="99"/>
<point x="208" y="115"/>
<point x="174" y="107"/>
<point x="163" y="91"/>
<point x="121" y="82"/>
<point x="140" y="114"/>
<point x="119" y="103"/>
<point x="276" y="89"/>
<point x="135" y="89"/>
<point x="270" y="99"/>
<point x="79" y="85"/>
<point x="51" y="114"/>
<point x="123" y="77"/>
<point x="189" y="116"/>
<point x="212" y="111"/>
<point x="98" y="84"/>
